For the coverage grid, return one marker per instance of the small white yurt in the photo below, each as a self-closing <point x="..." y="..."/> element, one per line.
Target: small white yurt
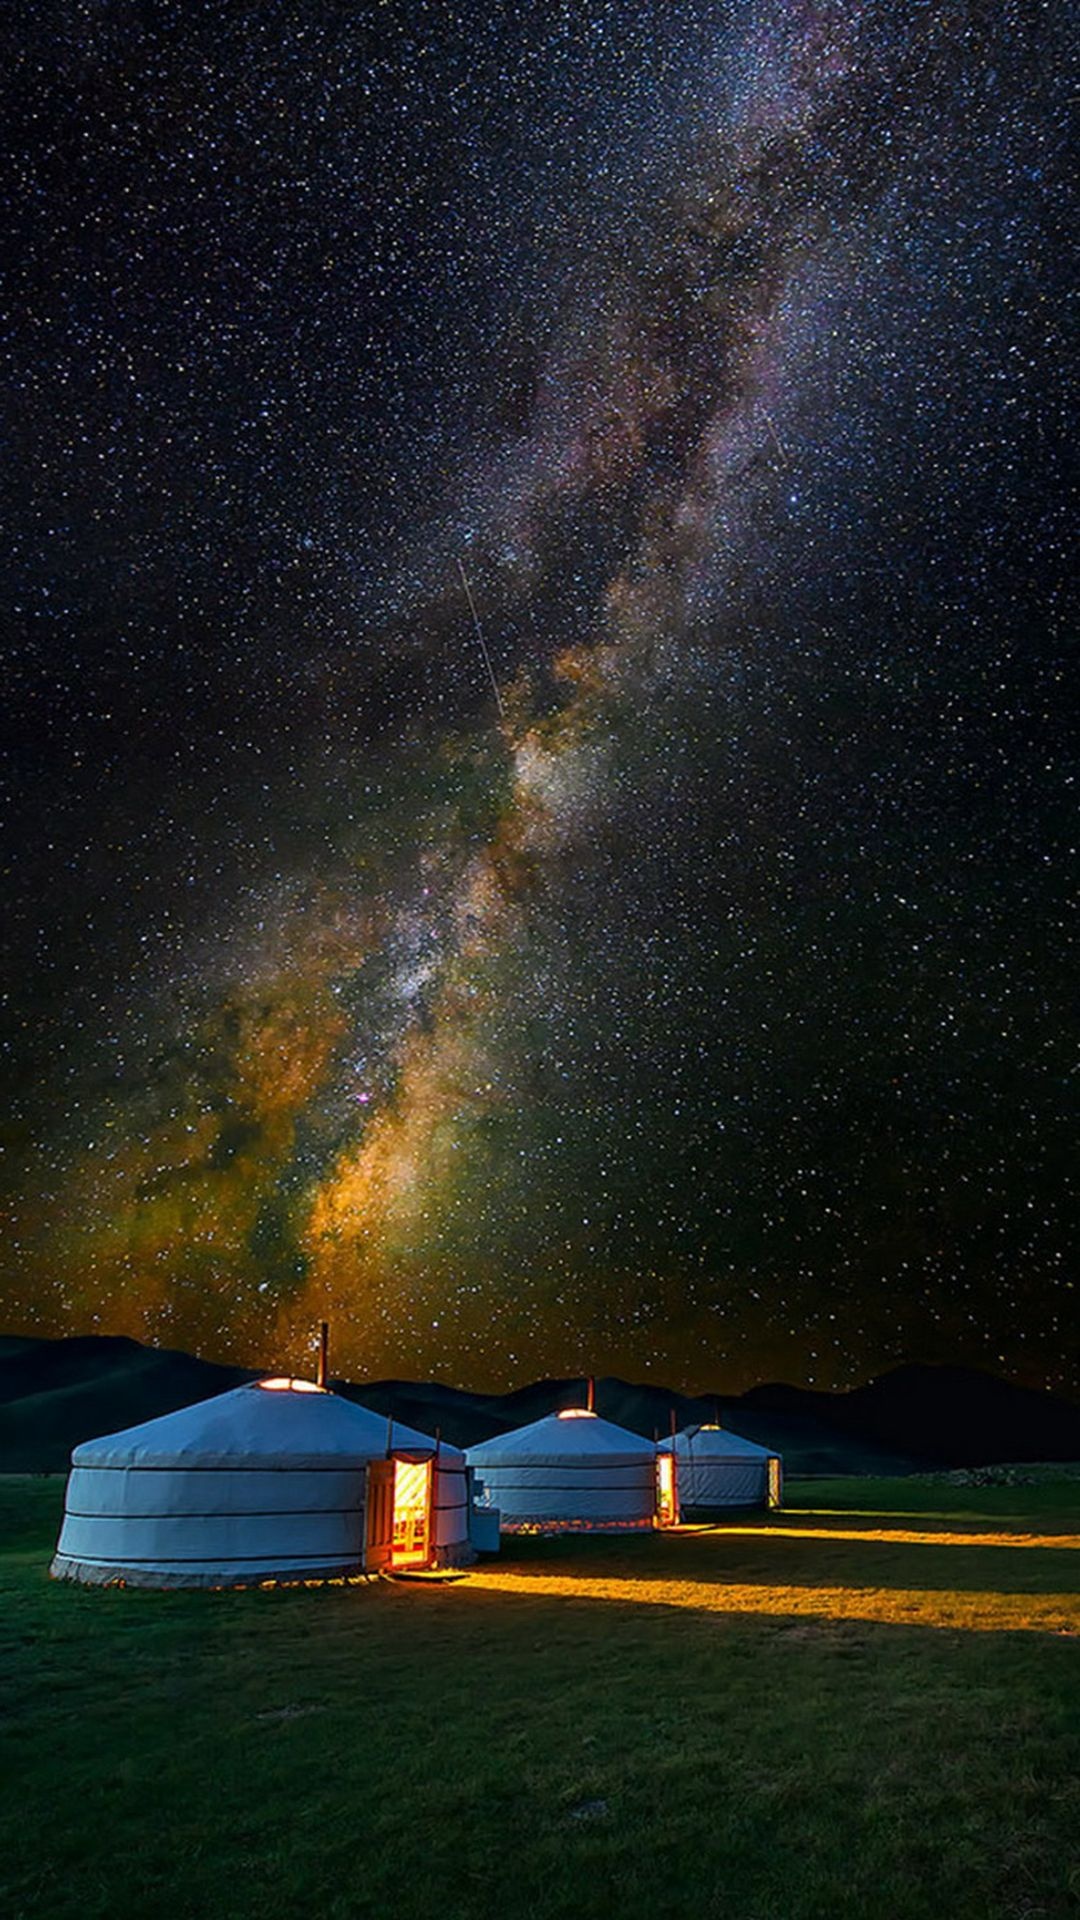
<point x="715" y="1469"/>
<point x="279" y="1480"/>
<point x="569" y="1473"/>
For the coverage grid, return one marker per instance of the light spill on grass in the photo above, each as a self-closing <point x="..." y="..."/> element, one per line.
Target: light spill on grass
<point x="988" y="1612"/>
<point x="897" y="1536"/>
<point x="475" y="1753"/>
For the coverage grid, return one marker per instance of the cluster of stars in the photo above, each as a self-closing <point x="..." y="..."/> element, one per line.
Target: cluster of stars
<point x="700" y="1007"/>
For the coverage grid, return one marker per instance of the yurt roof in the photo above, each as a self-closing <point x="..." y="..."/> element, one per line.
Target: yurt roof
<point x="574" y="1434"/>
<point x="714" y="1443"/>
<point x="277" y="1422"/>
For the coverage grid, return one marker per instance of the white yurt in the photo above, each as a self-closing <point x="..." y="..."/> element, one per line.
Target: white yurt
<point x="569" y="1473"/>
<point x="715" y="1468"/>
<point x="279" y="1480"/>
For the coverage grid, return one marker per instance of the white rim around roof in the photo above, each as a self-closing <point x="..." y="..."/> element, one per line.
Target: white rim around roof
<point x="714" y="1443"/>
<point x="555" y="1438"/>
<point x="255" y="1425"/>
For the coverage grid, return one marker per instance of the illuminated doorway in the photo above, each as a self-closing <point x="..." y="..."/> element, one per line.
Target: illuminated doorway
<point x="776" y="1482"/>
<point x="667" y="1497"/>
<point x="398" y="1521"/>
<point x="412" y="1513"/>
<point x="379" y="1516"/>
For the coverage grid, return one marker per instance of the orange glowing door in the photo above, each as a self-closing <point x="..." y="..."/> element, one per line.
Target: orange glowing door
<point x="667" y="1496"/>
<point x="379" y="1516"/>
<point x="412" y="1513"/>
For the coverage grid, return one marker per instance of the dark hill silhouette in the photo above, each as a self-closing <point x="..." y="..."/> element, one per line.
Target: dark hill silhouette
<point x="807" y="1444"/>
<point x="952" y="1414"/>
<point x="56" y="1393"/>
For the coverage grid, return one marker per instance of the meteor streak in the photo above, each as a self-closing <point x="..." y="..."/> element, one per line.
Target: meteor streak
<point x="482" y="642"/>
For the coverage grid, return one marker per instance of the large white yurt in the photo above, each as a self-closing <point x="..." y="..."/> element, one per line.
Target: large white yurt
<point x="279" y="1480"/>
<point x="568" y="1473"/>
<point x="715" y="1469"/>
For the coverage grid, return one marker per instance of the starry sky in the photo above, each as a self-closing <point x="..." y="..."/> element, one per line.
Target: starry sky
<point x="539" y="819"/>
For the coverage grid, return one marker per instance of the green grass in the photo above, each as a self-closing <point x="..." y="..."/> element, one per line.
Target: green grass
<point x="867" y="1708"/>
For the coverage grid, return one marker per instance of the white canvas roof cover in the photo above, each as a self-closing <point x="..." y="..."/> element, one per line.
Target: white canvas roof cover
<point x="294" y="1426"/>
<point x="715" y="1443"/>
<point x="562" y="1436"/>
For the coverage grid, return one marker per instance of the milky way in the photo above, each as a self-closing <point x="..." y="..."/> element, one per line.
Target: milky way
<point x="540" y="776"/>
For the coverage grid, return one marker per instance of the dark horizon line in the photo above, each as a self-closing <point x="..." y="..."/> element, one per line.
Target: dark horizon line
<point x="1069" y="1395"/>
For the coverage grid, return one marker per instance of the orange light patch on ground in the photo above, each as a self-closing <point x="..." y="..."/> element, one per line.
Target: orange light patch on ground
<point x="896" y="1536"/>
<point x="981" y="1612"/>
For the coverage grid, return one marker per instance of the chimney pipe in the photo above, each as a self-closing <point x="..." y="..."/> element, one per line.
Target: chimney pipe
<point x="324" y="1352"/>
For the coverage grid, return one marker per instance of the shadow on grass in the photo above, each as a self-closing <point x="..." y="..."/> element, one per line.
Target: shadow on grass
<point x="935" y="1569"/>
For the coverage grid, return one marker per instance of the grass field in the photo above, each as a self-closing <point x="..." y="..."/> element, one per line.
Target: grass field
<point x="864" y="1708"/>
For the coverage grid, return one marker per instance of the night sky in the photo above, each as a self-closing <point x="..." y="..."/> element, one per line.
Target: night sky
<point x="689" y="995"/>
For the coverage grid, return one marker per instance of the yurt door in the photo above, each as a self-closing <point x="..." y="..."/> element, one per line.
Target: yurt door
<point x="667" y="1497"/>
<point x="379" y="1523"/>
<point x="413" y="1481"/>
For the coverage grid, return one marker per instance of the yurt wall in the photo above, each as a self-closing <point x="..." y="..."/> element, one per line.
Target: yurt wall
<point x="570" y="1472"/>
<point x="266" y="1482"/>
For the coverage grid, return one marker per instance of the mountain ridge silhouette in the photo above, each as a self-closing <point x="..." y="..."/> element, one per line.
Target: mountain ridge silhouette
<point x="56" y="1393"/>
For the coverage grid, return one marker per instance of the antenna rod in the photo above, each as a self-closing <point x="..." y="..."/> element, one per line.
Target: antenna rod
<point x="483" y="644"/>
<point x="324" y="1352"/>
